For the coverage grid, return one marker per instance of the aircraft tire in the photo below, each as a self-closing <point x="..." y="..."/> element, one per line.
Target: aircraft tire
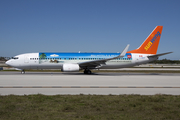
<point x="87" y="72"/>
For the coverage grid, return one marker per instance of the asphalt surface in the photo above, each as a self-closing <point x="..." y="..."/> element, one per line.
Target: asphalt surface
<point x="53" y="83"/>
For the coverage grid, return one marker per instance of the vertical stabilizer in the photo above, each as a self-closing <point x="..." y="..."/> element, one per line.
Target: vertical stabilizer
<point x="150" y="45"/>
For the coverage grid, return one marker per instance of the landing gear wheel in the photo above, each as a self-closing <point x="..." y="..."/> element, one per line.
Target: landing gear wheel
<point x="22" y="72"/>
<point x="87" y="72"/>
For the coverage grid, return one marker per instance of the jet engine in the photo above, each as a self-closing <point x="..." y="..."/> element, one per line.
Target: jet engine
<point x="70" y="67"/>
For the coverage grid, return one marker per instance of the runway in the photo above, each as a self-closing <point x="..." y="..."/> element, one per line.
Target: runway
<point x="98" y="83"/>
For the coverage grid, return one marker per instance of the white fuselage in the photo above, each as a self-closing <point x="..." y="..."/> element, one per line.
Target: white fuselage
<point x="35" y="61"/>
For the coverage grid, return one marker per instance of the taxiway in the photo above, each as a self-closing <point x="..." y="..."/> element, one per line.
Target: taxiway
<point x="98" y="83"/>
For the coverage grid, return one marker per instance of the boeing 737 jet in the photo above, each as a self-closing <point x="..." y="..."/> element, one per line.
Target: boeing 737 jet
<point x="70" y="62"/>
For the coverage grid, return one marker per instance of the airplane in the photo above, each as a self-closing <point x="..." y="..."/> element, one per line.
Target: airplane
<point x="72" y="62"/>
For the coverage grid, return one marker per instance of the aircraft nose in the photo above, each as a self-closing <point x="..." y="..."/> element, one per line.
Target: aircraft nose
<point x="8" y="62"/>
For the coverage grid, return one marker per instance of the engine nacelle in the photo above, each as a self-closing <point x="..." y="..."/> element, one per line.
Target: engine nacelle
<point x="70" y="67"/>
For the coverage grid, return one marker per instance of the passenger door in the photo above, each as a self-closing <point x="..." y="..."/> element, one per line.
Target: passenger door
<point x="26" y="59"/>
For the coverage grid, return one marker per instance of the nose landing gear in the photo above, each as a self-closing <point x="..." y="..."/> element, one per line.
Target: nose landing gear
<point x="22" y="72"/>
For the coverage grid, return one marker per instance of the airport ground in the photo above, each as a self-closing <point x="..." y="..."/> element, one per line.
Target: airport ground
<point x="100" y="96"/>
<point x="130" y="93"/>
<point x="53" y="83"/>
<point x="148" y="79"/>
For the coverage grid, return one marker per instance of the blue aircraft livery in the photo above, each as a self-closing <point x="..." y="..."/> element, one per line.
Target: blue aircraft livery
<point x="60" y="57"/>
<point x="152" y="41"/>
<point x="155" y="37"/>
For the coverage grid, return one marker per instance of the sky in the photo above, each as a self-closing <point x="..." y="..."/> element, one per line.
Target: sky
<point x="28" y="26"/>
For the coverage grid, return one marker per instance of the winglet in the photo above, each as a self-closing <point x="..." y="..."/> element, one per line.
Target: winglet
<point x="121" y="55"/>
<point x="124" y="51"/>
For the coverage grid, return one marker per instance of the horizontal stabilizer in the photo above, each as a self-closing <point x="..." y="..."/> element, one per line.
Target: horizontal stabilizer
<point x="157" y="55"/>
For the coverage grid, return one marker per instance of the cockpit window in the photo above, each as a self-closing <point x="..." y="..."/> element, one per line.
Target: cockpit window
<point x="15" y="58"/>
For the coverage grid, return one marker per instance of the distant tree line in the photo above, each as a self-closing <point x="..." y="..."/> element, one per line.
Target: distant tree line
<point x="4" y="58"/>
<point x="166" y="61"/>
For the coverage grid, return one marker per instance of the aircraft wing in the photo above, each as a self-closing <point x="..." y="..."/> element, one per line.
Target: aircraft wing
<point x="157" y="55"/>
<point x="96" y="63"/>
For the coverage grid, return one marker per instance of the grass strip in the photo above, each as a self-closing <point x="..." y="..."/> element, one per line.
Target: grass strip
<point x="92" y="107"/>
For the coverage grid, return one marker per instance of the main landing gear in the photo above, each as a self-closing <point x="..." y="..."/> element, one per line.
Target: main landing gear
<point x="87" y="71"/>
